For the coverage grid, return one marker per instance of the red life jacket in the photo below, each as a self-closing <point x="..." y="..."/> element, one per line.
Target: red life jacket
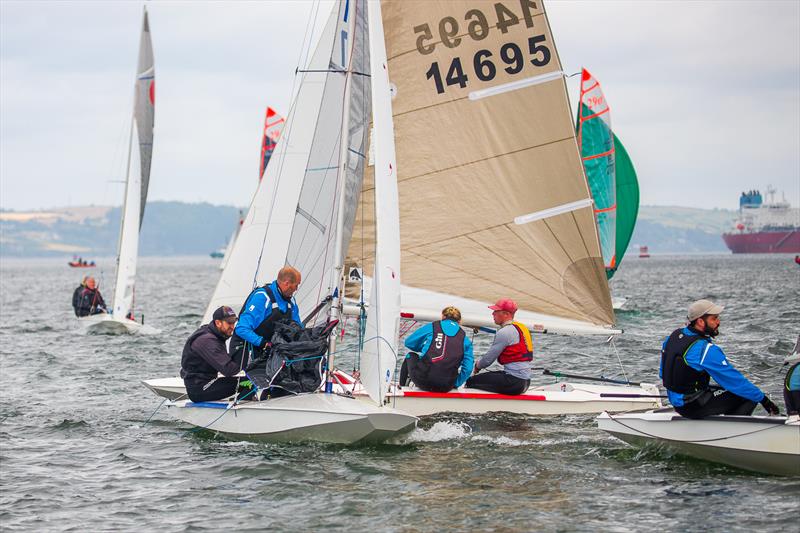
<point x="520" y="352"/>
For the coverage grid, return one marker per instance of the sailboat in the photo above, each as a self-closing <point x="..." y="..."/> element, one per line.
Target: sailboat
<point x="317" y="164"/>
<point x="610" y="174"/>
<point x="493" y="202"/>
<point x="121" y="319"/>
<point x="493" y="198"/>
<point x="768" y="444"/>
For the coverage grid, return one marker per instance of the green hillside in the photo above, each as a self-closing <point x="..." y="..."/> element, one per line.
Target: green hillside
<point x="176" y="228"/>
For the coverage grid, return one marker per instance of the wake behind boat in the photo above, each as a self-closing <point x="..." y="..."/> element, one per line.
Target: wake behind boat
<point x="767" y="444"/>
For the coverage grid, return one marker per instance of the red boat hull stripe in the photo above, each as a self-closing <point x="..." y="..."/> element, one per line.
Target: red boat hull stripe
<point x="473" y="396"/>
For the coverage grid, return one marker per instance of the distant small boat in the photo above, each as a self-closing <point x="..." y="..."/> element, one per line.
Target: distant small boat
<point x="81" y="264"/>
<point x="218" y="254"/>
<point x="643" y="252"/>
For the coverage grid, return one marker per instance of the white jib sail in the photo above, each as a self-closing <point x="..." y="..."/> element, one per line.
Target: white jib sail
<point x="129" y="240"/>
<point x="270" y="227"/>
<point x="379" y="353"/>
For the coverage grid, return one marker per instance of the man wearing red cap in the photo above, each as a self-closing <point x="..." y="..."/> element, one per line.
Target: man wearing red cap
<point x="512" y="348"/>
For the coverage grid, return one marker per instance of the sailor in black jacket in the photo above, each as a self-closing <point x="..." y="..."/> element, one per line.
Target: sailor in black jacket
<point x="205" y="355"/>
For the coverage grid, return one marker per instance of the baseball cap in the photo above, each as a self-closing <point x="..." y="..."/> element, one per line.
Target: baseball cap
<point x="225" y="313"/>
<point x="703" y="307"/>
<point x="504" y="305"/>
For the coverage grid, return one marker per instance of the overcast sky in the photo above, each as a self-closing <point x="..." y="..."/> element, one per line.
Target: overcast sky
<point x="705" y="95"/>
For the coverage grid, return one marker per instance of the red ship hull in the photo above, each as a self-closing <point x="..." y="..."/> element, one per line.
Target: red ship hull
<point x="764" y="242"/>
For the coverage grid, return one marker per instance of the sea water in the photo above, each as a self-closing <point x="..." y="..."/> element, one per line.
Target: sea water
<point x="84" y="446"/>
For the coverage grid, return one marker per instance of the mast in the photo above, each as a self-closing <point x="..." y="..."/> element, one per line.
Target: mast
<point x="344" y="147"/>
<point x="380" y="347"/>
<point x="335" y="310"/>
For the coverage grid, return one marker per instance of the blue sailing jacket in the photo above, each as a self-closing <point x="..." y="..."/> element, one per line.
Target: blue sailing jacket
<point x="708" y="357"/>
<point x="257" y="308"/>
<point x="420" y="340"/>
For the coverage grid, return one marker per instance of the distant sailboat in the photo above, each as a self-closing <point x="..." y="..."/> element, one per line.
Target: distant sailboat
<point x="609" y="171"/>
<point x="121" y="319"/>
<point x="273" y="126"/>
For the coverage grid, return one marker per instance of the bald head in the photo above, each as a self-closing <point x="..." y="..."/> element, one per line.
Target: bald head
<point x="288" y="281"/>
<point x="288" y="273"/>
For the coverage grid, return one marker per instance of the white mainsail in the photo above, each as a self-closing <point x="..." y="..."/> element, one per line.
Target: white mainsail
<point x="144" y="109"/>
<point x="292" y="218"/>
<point x="485" y="148"/>
<point x="138" y="176"/>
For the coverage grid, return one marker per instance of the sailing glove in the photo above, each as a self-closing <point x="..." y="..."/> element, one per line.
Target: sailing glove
<point x="771" y="408"/>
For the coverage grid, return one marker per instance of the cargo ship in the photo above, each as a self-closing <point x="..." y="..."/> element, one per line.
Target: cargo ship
<point x="764" y="227"/>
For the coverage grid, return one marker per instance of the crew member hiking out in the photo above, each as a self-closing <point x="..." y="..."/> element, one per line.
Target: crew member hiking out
<point x="689" y="359"/>
<point x="264" y="307"/>
<point x="512" y="348"/>
<point x="446" y="358"/>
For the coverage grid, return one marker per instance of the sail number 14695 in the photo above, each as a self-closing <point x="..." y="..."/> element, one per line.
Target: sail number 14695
<point x="510" y="57"/>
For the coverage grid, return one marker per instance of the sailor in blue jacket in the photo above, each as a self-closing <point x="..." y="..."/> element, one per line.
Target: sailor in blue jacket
<point x="791" y="385"/>
<point x="441" y="358"/>
<point x="264" y="307"/>
<point x="689" y="359"/>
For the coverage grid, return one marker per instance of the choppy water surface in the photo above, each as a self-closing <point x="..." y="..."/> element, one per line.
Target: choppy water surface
<point x="76" y="452"/>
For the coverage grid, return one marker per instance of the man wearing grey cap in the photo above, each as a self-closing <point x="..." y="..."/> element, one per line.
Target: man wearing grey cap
<point x="204" y="356"/>
<point x="689" y="360"/>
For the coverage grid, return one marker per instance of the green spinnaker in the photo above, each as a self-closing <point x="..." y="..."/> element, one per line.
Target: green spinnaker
<point x="609" y="173"/>
<point x="627" y="201"/>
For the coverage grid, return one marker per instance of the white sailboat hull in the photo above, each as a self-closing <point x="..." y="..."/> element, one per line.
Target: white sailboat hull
<point x="762" y="444"/>
<point x="105" y="324"/>
<point x="556" y="399"/>
<point x="307" y="417"/>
